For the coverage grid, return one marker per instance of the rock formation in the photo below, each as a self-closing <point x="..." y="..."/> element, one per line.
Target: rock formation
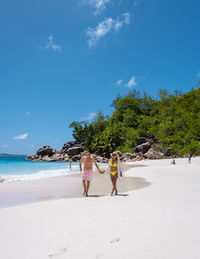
<point x="146" y="148"/>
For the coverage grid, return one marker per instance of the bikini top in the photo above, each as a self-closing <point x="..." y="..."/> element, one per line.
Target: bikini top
<point x="116" y="164"/>
<point x="113" y="165"/>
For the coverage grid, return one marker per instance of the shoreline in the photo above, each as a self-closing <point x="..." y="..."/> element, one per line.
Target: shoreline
<point x="60" y="187"/>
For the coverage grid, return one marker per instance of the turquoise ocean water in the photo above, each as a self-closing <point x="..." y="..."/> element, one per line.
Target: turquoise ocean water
<point x="17" y="168"/>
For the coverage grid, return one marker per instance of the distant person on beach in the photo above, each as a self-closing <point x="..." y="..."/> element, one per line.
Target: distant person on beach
<point x="87" y="171"/>
<point x="173" y="162"/>
<point x="115" y="171"/>
<point x="189" y="158"/>
<point x="70" y="165"/>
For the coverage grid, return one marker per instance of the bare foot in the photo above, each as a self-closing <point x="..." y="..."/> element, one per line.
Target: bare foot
<point x="116" y="192"/>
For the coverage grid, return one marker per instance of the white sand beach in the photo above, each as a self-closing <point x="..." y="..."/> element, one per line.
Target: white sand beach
<point x="156" y="216"/>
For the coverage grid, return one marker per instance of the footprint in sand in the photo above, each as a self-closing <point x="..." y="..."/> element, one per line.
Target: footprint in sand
<point x="61" y="251"/>
<point x="114" y="240"/>
<point x="99" y="255"/>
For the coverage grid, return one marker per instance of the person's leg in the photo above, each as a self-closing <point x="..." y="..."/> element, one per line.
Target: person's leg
<point x="115" y="183"/>
<point x="85" y="188"/>
<point x="112" y="180"/>
<point x="89" y="179"/>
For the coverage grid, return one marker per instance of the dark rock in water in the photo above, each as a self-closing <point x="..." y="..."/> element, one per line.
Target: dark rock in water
<point x="142" y="148"/>
<point x="66" y="158"/>
<point x="46" y="151"/>
<point x="47" y="159"/>
<point x="142" y="140"/>
<point x="74" y="151"/>
<point x="57" y="157"/>
<point x="31" y="157"/>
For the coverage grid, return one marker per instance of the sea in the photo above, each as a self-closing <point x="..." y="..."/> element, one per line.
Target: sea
<point x="16" y="168"/>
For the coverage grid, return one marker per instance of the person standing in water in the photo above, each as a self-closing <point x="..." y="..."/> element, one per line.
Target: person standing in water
<point x="115" y="171"/>
<point x="87" y="171"/>
<point x="189" y="158"/>
<point x="70" y="165"/>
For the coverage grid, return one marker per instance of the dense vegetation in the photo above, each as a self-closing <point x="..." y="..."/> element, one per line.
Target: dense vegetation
<point x="173" y="119"/>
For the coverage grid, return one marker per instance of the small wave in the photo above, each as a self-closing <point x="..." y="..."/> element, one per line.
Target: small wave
<point x="39" y="175"/>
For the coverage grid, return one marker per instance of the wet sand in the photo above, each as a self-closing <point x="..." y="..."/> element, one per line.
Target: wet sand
<point x="69" y="186"/>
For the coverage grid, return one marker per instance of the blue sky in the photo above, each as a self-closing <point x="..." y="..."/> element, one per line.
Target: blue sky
<point x="66" y="60"/>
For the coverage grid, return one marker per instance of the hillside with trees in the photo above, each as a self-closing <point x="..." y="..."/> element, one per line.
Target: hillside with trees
<point x="172" y="121"/>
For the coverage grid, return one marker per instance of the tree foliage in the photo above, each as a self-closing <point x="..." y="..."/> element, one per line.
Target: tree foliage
<point x="174" y="119"/>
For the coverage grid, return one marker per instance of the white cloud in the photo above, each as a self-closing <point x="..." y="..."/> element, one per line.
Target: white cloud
<point x="119" y="82"/>
<point x="4" y="146"/>
<point x="32" y="146"/>
<point x="127" y="17"/>
<point x="23" y="136"/>
<point x="98" y="5"/>
<point x="118" y="25"/>
<point x="99" y="31"/>
<point x="91" y="116"/>
<point x="28" y="113"/>
<point x="106" y="26"/>
<point x="132" y="82"/>
<point x="125" y="21"/>
<point x="51" y="45"/>
<point x="198" y="74"/>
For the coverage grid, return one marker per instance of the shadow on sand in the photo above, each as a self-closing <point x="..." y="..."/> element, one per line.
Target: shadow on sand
<point x="101" y="185"/>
